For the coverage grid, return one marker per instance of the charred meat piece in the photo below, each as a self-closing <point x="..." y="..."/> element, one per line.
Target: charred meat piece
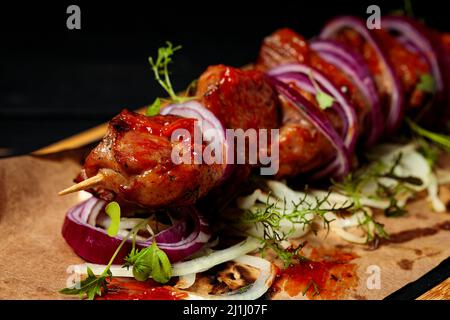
<point x="282" y="47"/>
<point x="241" y="99"/>
<point x="135" y="155"/>
<point x="302" y="146"/>
<point x="408" y="65"/>
<point x="286" y="46"/>
<point x="135" y="159"/>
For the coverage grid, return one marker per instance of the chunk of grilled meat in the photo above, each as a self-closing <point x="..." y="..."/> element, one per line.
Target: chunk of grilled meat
<point x="241" y="99"/>
<point x="135" y="155"/>
<point x="302" y="146"/>
<point x="408" y="65"/>
<point x="135" y="159"/>
<point x="244" y="99"/>
<point x="286" y="46"/>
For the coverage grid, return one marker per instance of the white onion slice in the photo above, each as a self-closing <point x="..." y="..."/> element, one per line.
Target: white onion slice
<point x="348" y="236"/>
<point x="433" y="195"/>
<point x="181" y="268"/>
<point x="256" y="290"/>
<point x="186" y="281"/>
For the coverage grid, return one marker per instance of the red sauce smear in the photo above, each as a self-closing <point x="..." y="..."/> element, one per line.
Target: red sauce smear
<point x="326" y="279"/>
<point x="130" y="289"/>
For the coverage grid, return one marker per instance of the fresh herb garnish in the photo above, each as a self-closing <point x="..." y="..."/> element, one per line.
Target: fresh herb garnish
<point x="287" y="255"/>
<point x="154" y="108"/>
<point x="94" y="286"/>
<point x="113" y="211"/>
<point x="439" y="139"/>
<point x="149" y="262"/>
<point x="401" y="179"/>
<point x="160" y="67"/>
<point x="429" y="151"/>
<point x="426" y="83"/>
<point x="312" y="283"/>
<point x="372" y="228"/>
<point x="354" y="184"/>
<point x="323" y="99"/>
<point x="271" y="214"/>
<point x="91" y="287"/>
<point x="394" y="209"/>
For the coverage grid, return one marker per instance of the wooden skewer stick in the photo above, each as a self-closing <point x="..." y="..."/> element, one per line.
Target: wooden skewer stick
<point x="83" y="185"/>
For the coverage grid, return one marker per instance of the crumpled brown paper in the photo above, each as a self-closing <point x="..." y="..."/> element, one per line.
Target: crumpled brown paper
<point x="34" y="256"/>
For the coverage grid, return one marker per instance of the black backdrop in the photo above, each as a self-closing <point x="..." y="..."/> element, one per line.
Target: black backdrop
<point x="55" y="82"/>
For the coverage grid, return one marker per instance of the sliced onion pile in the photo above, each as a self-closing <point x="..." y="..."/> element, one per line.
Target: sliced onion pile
<point x="395" y="106"/>
<point x="281" y="198"/>
<point x="210" y="127"/>
<point x="354" y="66"/>
<point x="94" y="245"/>
<point x="188" y="269"/>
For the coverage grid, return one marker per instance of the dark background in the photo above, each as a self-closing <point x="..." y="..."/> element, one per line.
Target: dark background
<point x="55" y="82"/>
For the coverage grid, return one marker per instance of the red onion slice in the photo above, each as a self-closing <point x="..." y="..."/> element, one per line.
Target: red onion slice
<point x="211" y="128"/>
<point x="95" y="246"/>
<point x="354" y="66"/>
<point x="396" y="104"/>
<point x="416" y="36"/>
<point x="300" y="75"/>
<point x="319" y="119"/>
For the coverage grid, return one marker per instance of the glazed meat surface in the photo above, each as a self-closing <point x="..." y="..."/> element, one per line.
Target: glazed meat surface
<point x="408" y="66"/>
<point x="241" y="99"/>
<point x="302" y="146"/>
<point x="286" y="46"/>
<point x="244" y="99"/>
<point x="135" y="159"/>
<point x="135" y="155"/>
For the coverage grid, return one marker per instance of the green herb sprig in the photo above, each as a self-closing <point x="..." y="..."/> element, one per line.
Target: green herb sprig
<point x="270" y="216"/>
<point x="324" y="100"/>
<point x="439" y="139"/>
<point x="148" y="262"/>
<point x="353" y="184"/>
<point x="312" y="284"/>
<point x="113" y="211"/>
<point x="160" y="67"/>
<point x="94" y="286"/>
<point x="426" y="83"/>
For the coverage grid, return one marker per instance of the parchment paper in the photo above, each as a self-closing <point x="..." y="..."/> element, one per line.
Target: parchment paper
<point x="34" y="256"/>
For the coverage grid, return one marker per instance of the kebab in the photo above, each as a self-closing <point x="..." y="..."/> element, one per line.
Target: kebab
<point x="328" y="97"/>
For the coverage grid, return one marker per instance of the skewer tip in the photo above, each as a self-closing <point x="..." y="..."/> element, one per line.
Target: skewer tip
<point x="83" y="185"/>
